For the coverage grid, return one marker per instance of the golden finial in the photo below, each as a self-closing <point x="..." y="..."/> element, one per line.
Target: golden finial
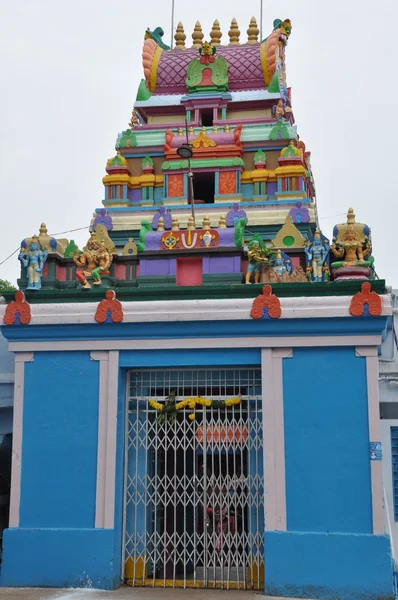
<point x="43" y="229"/>
<point x="234" y="33"/>
<point x="197" y="36"/>
<point x="175" y="226"/>
<point x="180" y="131"/>
<point x="227" y="129"/>
<point x="191" y="131"/>
<point x="180" y="36"/>
<point x="206" y="222"/>
<point x="215" y="129"/>
<point x="204" y="129"/>
<point x="350" y="217"/>
<point x="191" y="223"/>
<point x="252" y="32"/>
<point x="215" y="34"/>
<point x="222" y="223"/>
<point x="161" y="224"/>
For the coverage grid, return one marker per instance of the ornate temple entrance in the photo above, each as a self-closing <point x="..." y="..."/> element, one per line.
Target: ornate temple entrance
<point x="194" y="479"/>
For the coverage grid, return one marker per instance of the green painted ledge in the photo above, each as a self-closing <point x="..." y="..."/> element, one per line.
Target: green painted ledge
<point x="163" y="291"/>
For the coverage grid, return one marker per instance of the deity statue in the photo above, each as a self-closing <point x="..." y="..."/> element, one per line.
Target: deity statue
<point x="353" y="248"/>
<point x="95" y="260"/>
<point x="280" y="110"/>
<point x="279" y="265"/>
<point x="316" y="251"/>
<point x="257" y="259"/>
<point x="33" y="258"/>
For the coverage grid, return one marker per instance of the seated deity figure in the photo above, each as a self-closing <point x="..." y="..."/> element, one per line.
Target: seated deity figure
<point x="33" y="258"/>
<point x="95" y="260"/>
<point x="353" y="254"/>
<point x="316" y="252"/>
<point x="279" y="266"/>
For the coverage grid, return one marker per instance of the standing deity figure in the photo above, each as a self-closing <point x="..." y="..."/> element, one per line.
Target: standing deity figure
<point x="33" y="258"/>
<point x="316" y="252"/>
<point x="95" y="260"/>
<point x="256" y="261"/>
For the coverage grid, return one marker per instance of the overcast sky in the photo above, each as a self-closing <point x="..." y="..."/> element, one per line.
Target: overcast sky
<point x="69" y="72"/>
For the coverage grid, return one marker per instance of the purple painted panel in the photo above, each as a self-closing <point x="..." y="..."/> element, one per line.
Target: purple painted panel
<point x="272" y="188"/>
<point x="161" y="266"/>
<point x="237" y="264"/>
<point x="135" y="195"/>
<point x="155" y="267"/>
<point x="152" y="240"/>
<point x="226" y="237"/>
<point x="221" y="264"/>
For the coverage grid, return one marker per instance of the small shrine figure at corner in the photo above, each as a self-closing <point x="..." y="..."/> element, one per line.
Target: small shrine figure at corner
<point x="352" y="247"/>
<point x="33" y="258"/>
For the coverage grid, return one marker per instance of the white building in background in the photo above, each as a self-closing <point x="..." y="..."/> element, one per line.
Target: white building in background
<point x="389" y="425"/>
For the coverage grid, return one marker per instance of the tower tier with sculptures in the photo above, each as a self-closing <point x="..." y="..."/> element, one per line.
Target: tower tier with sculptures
<point x="225" y="179"/>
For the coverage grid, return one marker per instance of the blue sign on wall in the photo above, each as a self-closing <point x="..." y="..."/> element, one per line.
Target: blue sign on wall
<point x="375" y="450"/>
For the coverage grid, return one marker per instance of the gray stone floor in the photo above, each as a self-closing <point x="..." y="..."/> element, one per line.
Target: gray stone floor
<point x="127" y="593"/>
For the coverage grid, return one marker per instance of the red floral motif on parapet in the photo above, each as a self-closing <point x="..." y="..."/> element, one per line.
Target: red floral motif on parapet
<point x="109" y="305"/>
<point x="227" y="183"/>
<point x="175" y="186"/>
<point x="269" y="300"/>
<point x="20" y="306"/>
<point x="366" y="296"/>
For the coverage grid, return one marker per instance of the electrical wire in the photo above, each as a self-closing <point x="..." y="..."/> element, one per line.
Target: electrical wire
<point x="88" y="226"/>
<point x="51" y="235"/>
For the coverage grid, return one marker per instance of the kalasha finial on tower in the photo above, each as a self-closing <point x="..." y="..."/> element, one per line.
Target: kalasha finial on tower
<point x="180" y="36"/>
<point x="234" y="33"/>
<point x="252" y="32"/>
<point x="215" y="34"/>
<point x="197" y="36"/>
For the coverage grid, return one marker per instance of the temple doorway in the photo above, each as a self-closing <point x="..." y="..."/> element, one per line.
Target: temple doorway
<point x="194" y="479"/>
<point x="204" y="187"/>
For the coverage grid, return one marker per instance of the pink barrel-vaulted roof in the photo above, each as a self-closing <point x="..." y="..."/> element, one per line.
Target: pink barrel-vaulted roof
<point x="244" y="68"/>
<point x="250" y="66"/>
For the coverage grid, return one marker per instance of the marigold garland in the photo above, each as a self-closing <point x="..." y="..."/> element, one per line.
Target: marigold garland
<point x="168" y="410"/>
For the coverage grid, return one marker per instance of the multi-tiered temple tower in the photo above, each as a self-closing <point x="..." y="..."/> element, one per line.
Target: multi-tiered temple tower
<point x="176" y="424"/>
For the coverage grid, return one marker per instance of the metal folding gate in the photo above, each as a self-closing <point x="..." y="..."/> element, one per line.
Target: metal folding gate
<point x="194" y="513"/>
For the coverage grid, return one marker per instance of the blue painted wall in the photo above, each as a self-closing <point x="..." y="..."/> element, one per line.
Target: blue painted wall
<point x="60" y="437"/>
<point x="321" y="565"/>
<point x="200" y="329"/>
<point x="328" y="484"/>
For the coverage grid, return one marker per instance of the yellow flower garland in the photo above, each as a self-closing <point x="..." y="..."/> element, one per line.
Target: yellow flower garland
<point x="191" y="403"/>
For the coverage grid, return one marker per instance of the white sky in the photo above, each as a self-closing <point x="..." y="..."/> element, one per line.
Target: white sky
<point x="69" y="72"/>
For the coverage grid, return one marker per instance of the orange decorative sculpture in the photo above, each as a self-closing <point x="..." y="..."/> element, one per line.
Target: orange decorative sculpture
<point x="109" y="310"/>
<point x="366" y="298"/>
<point x="18" y="311"/>
<point x="266" y="306"/>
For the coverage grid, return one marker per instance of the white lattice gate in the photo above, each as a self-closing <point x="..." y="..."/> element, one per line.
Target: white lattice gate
<point x="194" y="513"/>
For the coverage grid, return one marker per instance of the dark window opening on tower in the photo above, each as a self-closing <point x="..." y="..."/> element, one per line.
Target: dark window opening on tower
<point x="203" y="187"/>
<point x="207" y="118"/>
